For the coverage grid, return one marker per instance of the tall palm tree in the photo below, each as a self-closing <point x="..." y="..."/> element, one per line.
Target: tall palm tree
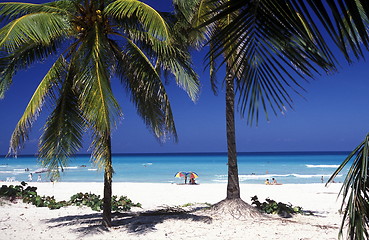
<point x="265" y="57"/>
<point x="346" y="24"/>
<point x="93" y="41"/>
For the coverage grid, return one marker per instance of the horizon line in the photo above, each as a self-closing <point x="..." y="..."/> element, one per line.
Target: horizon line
<point x="193" y="153"/>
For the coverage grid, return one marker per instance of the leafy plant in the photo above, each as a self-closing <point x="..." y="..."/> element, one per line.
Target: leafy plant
<point x="96" y="203"/>
<point x="354" y="191"/>
<point x="87" y="199"/>
<point x="29" y="195"/>
<point x="272" y="207"/>
<point x="123" y="204"/>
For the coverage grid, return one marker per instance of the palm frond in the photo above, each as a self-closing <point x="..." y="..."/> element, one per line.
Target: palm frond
<point x="63" y="130"/>
<point x="12" y="10"/>
<point x="195" y="13"/>
<point x="97" y="102"/>
<point x="150" y="19"/>
<point x="179" y="64"/>
<point x="21" y="58"/>
<point x="174" y="58"/>
<point x="45" y="89"/>
<point x="40" y="28"/>
<point x="268" y="46"/>
<point x="339" y="22"/>
<point x="355" y="203"/>
<point x="146" y="89"/>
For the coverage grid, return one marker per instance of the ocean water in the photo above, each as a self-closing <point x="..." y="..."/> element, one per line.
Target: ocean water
<point x="254" y="168"/>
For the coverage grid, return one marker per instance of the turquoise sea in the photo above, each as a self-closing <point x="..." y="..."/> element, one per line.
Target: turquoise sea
<point x="290" y="167"/>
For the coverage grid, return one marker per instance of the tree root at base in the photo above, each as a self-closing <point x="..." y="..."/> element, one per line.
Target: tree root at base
<point x="235" y="208"/>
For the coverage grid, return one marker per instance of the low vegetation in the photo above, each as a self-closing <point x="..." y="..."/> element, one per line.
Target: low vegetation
<point x="272" y="207"/>
<point x="29" y="195"/>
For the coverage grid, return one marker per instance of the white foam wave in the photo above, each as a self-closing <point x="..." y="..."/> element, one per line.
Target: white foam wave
<point x="312" y="176"/>
<point x="321" y="166"/>
<point x="92" y="169"/>
<point x="13" y="172"/>
<point x="69" y="167"/>
<point x="220" y="181"/>
<point x="242" y="177"/>
<point x="264" y="176"/>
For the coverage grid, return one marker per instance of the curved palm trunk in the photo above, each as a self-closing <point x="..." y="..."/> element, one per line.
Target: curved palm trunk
<point x="233" y="187"/>
<point x="108" y="175"/>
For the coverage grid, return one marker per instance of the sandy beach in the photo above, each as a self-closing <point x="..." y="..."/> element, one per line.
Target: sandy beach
<point x="23" y="221"/>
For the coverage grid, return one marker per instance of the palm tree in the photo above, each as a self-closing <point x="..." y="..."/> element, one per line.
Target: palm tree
<point x="264" y="56"/>
<point x="355" y="204"/>
<point x="93" y="41"/>
<point x="346" y="23"/>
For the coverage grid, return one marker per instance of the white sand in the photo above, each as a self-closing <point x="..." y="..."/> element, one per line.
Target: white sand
<point x="21" y="221"/>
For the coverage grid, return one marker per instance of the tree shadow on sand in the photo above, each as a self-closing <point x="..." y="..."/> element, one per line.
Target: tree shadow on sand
<point x="133" y="222"/>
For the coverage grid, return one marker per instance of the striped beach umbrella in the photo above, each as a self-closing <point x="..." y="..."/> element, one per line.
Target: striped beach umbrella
<point x="192" y="175"/>
<point x="180" y="174"/>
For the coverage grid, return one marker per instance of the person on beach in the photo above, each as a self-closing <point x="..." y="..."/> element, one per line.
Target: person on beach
<point x="39" y="178"/>
<point x="192" y="181"/>
<point x="186" y="179"/>
<point x="274" y="181"/>
<point x="30" y="177"/>
<point x="267" y="182"/>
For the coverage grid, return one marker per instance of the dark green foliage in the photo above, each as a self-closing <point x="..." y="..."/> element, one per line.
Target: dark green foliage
<point x="122" y="204"/>
<point x="96" y="203"/>
<point x="29" y="195"/>
<point x="272" y="207"/>
<point x="87" y="199"/>
<point x="354" y="191"/>
<point x="15" y="192"/>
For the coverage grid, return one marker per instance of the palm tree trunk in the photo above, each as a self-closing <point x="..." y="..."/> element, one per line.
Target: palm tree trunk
<point x="108" y="175"/>
<point x="233" y="187"/>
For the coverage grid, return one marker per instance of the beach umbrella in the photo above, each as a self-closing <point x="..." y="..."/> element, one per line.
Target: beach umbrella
<point x="192" y="175"/>
<point x="180" y="174"/>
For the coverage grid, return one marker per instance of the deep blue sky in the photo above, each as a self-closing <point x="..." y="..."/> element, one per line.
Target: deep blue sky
<point x="333" y="117"/>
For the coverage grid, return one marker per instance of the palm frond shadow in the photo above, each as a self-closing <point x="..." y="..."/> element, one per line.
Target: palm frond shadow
<point x="146" y="221"/>
<point x="90" y="224"/>
<point x="133" y="222"/>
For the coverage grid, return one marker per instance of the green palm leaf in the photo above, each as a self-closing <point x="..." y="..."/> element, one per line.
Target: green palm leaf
<point x="98" y="104"/>
<point x="267" y="46"/>
<point x="40" y="28"/>
<point x="63" y="130"/>
<point x="12" y="10"/>
<point x="21" y="58"/>
<point x="196" y="13"/>
<point x="355" y="203"/>
<point x="147" y="92"/>
<point x="173" y="58"/>
<point x="150" y="19"/>
<point x="343" y="21"/>
<point x="45" y="89"/>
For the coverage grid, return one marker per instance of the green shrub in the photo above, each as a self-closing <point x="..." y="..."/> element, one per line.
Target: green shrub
<point x="87" y="199"/>
<point x="122" y="204"/>
<point x="96" y="203"/>
<point x="29" y="195"/>
<point x="272" y="207"/>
